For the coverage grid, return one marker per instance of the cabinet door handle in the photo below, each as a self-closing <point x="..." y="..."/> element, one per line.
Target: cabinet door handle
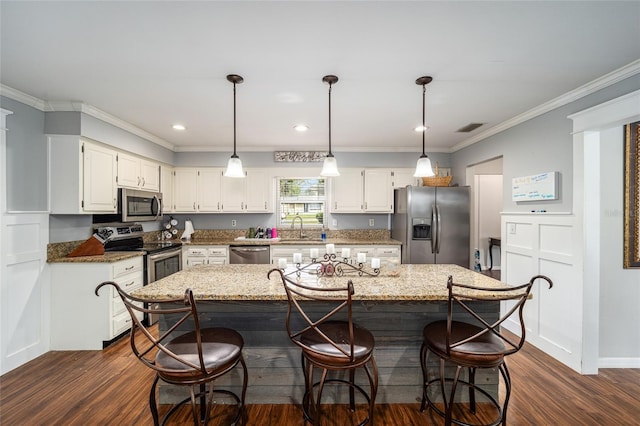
<point x="129" y="268"/>
<point x="138" y="180"/>
<point x="115" y="203"/>
<point x="194" y="206"/>
<point x="365" y="205"/>
<point x="218" y="205"/>
<point x="143" y="182"/>
<point x="265" y="205"/>
<point x="335" y="205"/>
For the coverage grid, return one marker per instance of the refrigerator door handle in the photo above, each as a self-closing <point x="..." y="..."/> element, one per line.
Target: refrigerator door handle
<point x="434" y="229"/>
<point x="438" y="229"/>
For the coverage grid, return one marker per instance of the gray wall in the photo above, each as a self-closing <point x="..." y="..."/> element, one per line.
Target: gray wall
<point x="542" y="144"/>
<point x="26" y="173"/>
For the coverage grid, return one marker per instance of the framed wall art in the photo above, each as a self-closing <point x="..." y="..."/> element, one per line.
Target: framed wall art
<point x="632" y="195"/>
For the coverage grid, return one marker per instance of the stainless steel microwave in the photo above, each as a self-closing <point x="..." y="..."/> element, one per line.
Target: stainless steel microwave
<point x="139" y="206"/>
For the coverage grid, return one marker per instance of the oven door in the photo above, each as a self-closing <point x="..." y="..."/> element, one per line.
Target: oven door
<point x="160" y="265"/>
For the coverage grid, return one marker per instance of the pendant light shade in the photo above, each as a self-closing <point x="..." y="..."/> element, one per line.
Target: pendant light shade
<point x="423" y="168"/>
<point x="234" y="166"/>
<point x="330" y="166"/>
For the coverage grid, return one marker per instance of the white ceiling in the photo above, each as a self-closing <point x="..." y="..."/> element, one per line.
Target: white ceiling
<point x="153" y="64"/>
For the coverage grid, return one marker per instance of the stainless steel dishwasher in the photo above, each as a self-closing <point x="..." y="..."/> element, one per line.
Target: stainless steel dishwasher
<point x="239" y="255"/>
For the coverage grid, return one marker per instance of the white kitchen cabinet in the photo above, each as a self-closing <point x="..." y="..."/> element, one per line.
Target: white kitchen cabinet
<point x="251" y="194"/>
<point x="185" y="190"/>
<point x="196" y="190"/>
<point x="166" y="188"/>
<point x="80" y="320"/>
<point x="138" y="173"/>
<point x="208" y="183"/>
<point x="82" y="176"/>
<point x="259" y="191"/>
<point x="404" y="177"/>
<point x="362" y="191"/>
<point x="378" y="191"/>
<point x="233" y="194"/>
<point x="204" y="255"/>
<point x="347" y="191"/>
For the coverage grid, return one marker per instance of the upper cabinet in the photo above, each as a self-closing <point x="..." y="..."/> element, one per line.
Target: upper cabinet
<point x="249" y="195"/>
<point x="166" y="188"/>
<point x="82" y="176"/>
<point x="404" y="177"/>
<point x="138" y="173"/>
<point x="196" y="190"/>
<point x="347" y="191"/>
<point x="206" y="190"/>
<point x="362" y="191"/>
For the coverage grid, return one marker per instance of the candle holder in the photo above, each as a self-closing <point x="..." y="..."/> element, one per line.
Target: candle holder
<point x="330" y="266"/>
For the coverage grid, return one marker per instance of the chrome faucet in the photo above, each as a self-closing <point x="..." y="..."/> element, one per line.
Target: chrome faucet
<point x="293" y="222"/>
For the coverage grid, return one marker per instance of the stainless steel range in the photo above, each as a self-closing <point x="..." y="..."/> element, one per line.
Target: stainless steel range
<point x="161" y="258"/>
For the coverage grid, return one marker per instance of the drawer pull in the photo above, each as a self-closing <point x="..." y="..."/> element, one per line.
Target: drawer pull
<point x="130" y="268"/>
<point x="130" y="284"/>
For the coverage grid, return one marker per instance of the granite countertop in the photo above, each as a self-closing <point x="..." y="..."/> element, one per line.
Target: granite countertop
<point x="296" y="242"/>
<point x="250" y="282"/>
<point x="108" y="257"/>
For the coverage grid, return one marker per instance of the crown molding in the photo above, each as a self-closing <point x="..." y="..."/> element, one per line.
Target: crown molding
<point x="21" y="97"/>
<point x="600" y="83"/>
<point x="78" y="106"/>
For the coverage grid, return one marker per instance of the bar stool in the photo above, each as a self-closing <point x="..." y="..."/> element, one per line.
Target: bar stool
<point x="329" y="342"/>
<point x="194" y="358"/>
<point x="473" y="345"/>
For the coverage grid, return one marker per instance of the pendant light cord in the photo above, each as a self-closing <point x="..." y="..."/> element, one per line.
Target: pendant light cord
<point x="330" y="154"/>
<point x="234" y="122"/>
<point x="424" y="126"/>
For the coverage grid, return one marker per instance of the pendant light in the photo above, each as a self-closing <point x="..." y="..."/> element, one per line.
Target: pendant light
<point x="330" y="166"/>
<point x="423" y="168"/>
<point x="234" y="166"/>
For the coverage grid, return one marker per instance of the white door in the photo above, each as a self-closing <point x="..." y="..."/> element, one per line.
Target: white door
<point x="24" y="280"/>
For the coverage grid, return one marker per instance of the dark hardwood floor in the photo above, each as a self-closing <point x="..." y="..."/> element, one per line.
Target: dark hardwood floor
<point x="110" y="387"/>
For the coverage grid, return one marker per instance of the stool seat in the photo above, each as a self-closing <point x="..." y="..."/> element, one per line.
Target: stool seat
<point x="484" y="351"/>
<point x="338" y="331"/>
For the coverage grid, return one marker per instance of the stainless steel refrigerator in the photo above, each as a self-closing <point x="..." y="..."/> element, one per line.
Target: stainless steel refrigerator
<point x="433" y="224"/>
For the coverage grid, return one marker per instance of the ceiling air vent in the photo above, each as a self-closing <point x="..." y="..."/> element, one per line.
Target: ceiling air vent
<point x="469" y="127"/>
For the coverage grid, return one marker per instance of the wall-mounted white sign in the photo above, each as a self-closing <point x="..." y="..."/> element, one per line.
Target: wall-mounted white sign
<point x="538" y="187"/>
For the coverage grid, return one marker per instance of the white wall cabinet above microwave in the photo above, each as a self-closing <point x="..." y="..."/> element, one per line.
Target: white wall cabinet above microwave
<point x="82" y="175"/>
<point x="138" y="173"/>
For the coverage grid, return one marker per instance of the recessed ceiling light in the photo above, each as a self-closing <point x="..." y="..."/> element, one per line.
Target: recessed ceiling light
<point x="301" y="127"/>
<point x="421" y="128"/>
<point x="179" y="127"/>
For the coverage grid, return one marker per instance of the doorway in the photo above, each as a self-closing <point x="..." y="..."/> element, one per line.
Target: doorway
<point x="486" y="182"/>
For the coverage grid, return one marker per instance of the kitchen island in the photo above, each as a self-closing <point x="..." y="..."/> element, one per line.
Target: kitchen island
<point x="395" y="308"/>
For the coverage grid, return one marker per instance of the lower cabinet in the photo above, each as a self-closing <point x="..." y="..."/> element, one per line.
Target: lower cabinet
<point x="80" y="320"/>
<point x="204" y="255"/>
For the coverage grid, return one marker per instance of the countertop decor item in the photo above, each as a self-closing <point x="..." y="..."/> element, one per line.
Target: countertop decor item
<point x="188" y="231"/>
<point x="330" y="266"/>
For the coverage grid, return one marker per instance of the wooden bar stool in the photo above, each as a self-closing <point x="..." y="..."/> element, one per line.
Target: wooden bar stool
<point x="472" y="344"/>
<point x="329" y="341"/>
<point x="193" y="358"/>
